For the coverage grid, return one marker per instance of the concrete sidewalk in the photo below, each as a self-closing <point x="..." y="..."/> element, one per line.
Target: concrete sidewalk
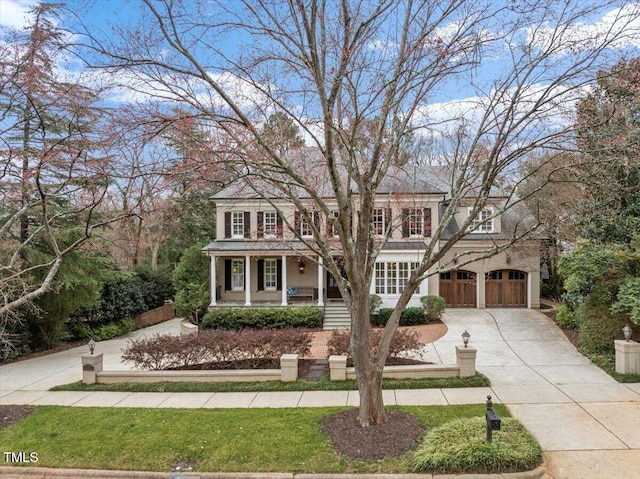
<point x="585" y="421"/>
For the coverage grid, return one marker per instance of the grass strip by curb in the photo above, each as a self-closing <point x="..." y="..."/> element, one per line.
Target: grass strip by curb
<point x="225" y="440"/>
<point x="324" y="384"/>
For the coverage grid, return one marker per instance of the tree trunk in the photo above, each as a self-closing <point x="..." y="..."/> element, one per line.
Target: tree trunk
<point x="371" y="404"/>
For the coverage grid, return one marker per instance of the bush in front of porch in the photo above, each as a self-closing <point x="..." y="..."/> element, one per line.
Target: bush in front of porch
<point x="409" y="317"/>
<point x="263" y="318"/>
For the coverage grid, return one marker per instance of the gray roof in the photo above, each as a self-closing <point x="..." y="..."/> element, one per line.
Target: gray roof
<point x="405" y="179"/>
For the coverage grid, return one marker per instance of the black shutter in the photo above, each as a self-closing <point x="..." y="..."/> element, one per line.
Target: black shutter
<point x="260" y="225"/>
<point x="330" y="229"/>
<point x="227" y="224"/>
<point x="316" y="219"/>
<point x="247" y="224"/>
<point x="260" y="274"/>
<point x="279" y="275"/>
<point x="405" y="223"/>
<point x="297" y="218"/>
<point x="426" y="214"/>
<point x="279" y="232"/>
<point x="227" y="275"/>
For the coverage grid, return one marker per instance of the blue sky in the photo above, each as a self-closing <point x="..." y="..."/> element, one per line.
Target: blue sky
<point x="453" y="100"/>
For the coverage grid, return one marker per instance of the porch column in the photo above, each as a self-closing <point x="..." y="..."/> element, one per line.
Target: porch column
<point x="247" y="280"/>
<point x="284" y="280"/>
<point x="320" y="282"/>
<point x="212" y="281"/>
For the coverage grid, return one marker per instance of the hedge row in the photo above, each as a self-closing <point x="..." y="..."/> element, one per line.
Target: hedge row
<point x="264" y="318"/>
<point x="252" y="346"/>
<point x="409" y="317"/>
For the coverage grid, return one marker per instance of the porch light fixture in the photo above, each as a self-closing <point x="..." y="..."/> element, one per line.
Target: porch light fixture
<point x="465" y="338"/>
<point x="92" y="345"/>
<point x="627" y="332"/>
<point x="301" y="266"/>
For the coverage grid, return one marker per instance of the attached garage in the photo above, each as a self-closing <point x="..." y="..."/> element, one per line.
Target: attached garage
<point x="506" y="289"/>
<point x="458" y="288"/>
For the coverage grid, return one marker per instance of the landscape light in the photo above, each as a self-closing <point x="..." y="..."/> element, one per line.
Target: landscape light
<point x="465" y="337"/>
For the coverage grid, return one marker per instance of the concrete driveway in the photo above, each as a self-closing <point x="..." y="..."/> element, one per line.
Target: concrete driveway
<point x="587" y="423"/>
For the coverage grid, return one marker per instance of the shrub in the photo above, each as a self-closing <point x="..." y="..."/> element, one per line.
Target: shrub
<point x="598" y="327"/>
<point x="112" y="330"/>
<point x="374" y="302"/>
<point x="264" y="318"/>
<point x="403" y="340"/>
<point x="433" y="306"/>
<point x="566" y="318"/>
<point x="254" y="346"/>
<point x="191" y="282"/>
<point x="460" y="446"/>
<point x="409" y="317"/>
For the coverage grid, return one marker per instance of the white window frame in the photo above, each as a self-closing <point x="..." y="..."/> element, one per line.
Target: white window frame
<point x="305" y="229"/>
<point x="380" y="278"/>
<point x="391" y="277"/>
<point x="379" y="221"/>
<point x="415" y="217"/>
<point x="270" y="224"/>
<point x="237" y="224"/>
<point x="237" y="274"/>
<point x="483" y="222"/>
<point x="270" y="274"/>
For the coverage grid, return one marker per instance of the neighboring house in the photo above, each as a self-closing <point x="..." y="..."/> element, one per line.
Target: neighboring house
<point x="257" y="260"/>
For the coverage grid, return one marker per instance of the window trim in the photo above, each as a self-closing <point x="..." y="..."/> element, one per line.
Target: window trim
<point x="270" y="276"/>
<point x="237" y="277"/>
<point x="237" y="224"/>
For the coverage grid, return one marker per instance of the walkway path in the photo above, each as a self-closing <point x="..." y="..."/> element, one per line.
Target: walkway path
<point x="586" y="422"/>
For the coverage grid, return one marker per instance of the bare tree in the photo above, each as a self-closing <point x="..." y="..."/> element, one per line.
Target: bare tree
<point x="358" y="79"/>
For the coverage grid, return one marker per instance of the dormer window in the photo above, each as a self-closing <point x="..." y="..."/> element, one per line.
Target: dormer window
<point x="483" y="223"/>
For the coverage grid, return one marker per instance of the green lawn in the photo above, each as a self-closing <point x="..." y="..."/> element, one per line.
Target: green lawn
<point x="324" y="384"/>
<point x="230" y="440"/>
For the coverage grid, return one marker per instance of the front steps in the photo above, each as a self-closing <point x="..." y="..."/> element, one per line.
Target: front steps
<point x="336" y="316"/>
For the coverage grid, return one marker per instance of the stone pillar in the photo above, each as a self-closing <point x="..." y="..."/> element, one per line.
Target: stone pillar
<point x="627" y="357"/>
<point x="466" y="359"/>
<point x="91" y="365"/>
<point x="213" y="281"/>
<point x="337" y="368"/>
<point x="289" y="367"/>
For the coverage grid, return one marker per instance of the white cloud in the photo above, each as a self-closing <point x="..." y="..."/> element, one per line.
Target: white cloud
<point x="15" y="13"/>
<point x="620" y="28"/>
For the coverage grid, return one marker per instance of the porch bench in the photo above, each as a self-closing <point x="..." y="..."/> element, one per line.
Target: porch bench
<point x="295" y="293"/>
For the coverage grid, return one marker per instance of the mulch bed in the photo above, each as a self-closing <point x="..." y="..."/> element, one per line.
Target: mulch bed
<point x="10" y="414"/>
<point x="392" y="439"/>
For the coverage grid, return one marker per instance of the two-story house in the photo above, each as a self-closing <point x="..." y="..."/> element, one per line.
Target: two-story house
<point x="257" y="260"/>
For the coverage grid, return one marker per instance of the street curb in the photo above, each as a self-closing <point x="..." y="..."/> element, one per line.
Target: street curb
<point x="52" y="473"/>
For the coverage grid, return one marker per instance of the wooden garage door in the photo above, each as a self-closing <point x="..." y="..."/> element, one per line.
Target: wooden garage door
<point x="458" y="288"/>
<point x="506" y="289"/>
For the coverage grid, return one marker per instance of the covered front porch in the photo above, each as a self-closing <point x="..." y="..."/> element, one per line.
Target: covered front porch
<point x="267" y="274"/>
